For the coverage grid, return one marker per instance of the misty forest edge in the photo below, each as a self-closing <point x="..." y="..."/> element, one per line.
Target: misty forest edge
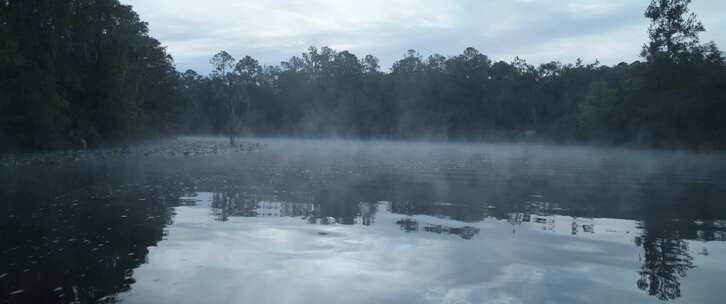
<point x="86" y="72"/>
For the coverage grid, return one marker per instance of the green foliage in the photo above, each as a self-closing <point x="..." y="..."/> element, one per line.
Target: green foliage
<point x="324" y="92"/>
<point x="673" y="30"/>
<point x="81" y="70"/>
<point x="85" y="70"/>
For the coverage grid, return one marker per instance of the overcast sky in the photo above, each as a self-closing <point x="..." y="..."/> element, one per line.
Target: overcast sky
<point x="271" y="31"/>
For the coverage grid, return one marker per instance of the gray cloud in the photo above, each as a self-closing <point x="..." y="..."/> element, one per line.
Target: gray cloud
<point x="538" y="30"/>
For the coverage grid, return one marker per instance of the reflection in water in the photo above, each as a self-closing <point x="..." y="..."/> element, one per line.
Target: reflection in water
<point x="77" y="249"/>
<point x="466" y="232"/>
<point x="228" y="204"/>
<point x="107" y="262"/>
<point x="665" y="262"/>
<point x="418" y="226"/>
<point x="666" y="258"/>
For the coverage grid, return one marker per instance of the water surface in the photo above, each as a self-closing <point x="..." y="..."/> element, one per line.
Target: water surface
<point x="365" y="222"/>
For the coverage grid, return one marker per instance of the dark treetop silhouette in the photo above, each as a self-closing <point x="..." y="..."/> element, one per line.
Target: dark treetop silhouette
<point x="86" y="72"/>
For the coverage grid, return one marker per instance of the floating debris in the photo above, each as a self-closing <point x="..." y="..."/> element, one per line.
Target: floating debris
<point x="187" y="148"/>
<point x="17" y="292"/>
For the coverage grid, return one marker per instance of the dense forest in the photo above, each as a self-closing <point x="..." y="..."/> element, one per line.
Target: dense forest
<point x="81" y="73"/>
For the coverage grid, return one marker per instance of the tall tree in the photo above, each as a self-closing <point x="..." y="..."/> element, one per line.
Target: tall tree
<point x="231" y="93"/>
<point x="223" y="63"/>
<point x="673" y="30"/>
<point x="76" y="72"/>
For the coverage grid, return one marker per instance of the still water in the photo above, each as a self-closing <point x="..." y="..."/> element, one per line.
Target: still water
<point x="365" y="222"/>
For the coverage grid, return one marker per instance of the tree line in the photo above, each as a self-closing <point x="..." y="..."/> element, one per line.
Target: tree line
<point x="81" y="72"/>
<point x="86" y="72"/>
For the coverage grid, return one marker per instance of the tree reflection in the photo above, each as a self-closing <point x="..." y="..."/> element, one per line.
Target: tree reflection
<point x="411" y="225"/>
<point x="367" y="213"/>
<point x="665" y="262"/>
<point x="408" y="225"/>
<point x="226" y="204"/>
<point x="81" y="247"/>
<point x="326" y="207"/>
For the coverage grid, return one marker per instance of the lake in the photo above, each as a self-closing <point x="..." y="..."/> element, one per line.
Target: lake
<point x="311" y="221"/>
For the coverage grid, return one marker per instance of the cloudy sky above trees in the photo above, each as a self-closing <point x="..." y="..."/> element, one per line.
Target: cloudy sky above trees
<point x="611" y="31"/>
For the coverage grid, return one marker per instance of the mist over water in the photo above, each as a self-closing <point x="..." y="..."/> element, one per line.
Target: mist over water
<point x="427" y="177"/>
<point x="283" y="221"/>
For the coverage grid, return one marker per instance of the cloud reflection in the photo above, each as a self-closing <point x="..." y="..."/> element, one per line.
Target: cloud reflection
<point x="275" y="255"/>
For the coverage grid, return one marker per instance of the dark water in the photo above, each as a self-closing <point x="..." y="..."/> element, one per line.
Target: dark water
<point x="367" y="222"/>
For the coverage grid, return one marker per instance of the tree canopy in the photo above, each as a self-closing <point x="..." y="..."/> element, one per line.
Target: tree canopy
<point x="88" y="71"/>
